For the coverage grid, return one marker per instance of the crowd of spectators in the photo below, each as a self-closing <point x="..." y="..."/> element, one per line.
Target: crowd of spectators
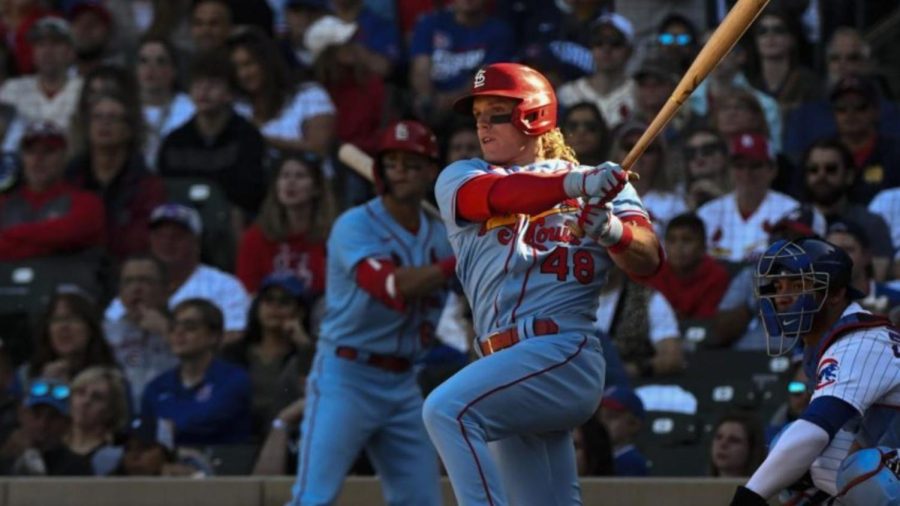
<point x="188" y="147"/>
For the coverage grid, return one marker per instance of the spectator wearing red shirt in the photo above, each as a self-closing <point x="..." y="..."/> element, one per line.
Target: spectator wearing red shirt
<point x="691" y="280"/>
<point x="44" y="215"/>
<point x="290" y="231"/>
<point x="17" y="23"/>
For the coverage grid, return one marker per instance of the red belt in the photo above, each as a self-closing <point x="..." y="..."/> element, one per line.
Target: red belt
<point x="496" y="342"/>
<point x="386" y="362"/>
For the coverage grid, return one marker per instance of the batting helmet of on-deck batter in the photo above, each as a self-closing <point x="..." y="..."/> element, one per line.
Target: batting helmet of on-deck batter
<point x="535" y="114"/>
<point x="404" y="135"/>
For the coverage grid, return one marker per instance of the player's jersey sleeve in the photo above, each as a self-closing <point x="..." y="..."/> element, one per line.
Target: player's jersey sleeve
<point x="352" y="240"/>
<point x="628" y="205"/>
<point x="860" y="369"/>
<point x="451" y="179"/>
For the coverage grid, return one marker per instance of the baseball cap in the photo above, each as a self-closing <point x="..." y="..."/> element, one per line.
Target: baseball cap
<point x="620" y="398"/>
<point x="658" y="66"/>
<point x="46" y="132"/>
<point x="802" y="221"/>
<point x="750" y="145"/>
<point x="49" y="392"/>
<point x="93" y="7"/>
<point x="152" y="430"/>
<point x="326" y="31"/>
<point x="617" y="21"/>
<point x="185" y="216"/>
<point x="851" y="228"/>
<point x="287" y="282"/>
<point x="854" y="84"/>
<point x="50" y="26"/>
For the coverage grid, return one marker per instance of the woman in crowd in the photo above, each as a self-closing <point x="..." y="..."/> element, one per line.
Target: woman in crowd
<point x="277" y="350"/>
<point x="779" y="43"/>
<point x="737" y="446"/>
<point x="105" y="78"/>
<point x="111" y="164"/>
<point x="69" y="341"/>
<point x="293" y="223"/>
<point x="654" y="186"/>
<point x="289" y="117"/>
<point x="586" y="131"/>
<point x="164" y="107"/>
<point x="99" y="412"/>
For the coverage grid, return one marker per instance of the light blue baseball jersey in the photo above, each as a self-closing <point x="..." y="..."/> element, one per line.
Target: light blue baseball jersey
<point x="352" y="316"/>
<point x="518" y="266"/>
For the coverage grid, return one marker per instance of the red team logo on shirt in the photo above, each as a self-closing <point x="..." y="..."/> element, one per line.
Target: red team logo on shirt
<point x="538" y="231"/>
<point x="827" y="373"/>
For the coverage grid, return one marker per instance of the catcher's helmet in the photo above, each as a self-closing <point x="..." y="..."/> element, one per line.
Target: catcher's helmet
<point x="819" y="266"/>
<point x="535" y="114"/>
<point x="404" y="135"/>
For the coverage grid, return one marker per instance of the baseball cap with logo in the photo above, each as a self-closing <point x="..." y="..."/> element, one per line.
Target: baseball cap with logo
<point x="617" y="21"/>
<point x="50" y="27"/>
<point x="750" y="145"/>
<point x="326" y="31"/>
<point x="619" y="398"/>
<point x="188" y="217"/>
<point x="46" y="132"/>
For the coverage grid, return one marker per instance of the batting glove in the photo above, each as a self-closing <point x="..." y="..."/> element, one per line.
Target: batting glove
<point x="598" y="222"/>
<point x="602" y="182"/>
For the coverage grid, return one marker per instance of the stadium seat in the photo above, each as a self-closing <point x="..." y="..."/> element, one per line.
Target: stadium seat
<point x="671" y="444"/>
<point x="232" y="459"/>
<point x="219" y="245"/>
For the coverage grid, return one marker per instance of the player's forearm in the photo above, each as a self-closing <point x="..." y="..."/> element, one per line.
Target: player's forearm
<point x="412" y="282"/>
<point x="791" y="458"/>
<point x="642" y="255"/>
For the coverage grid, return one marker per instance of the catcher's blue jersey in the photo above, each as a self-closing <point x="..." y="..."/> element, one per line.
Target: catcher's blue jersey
<point x="518" y="266"/>
<point x="352" y="316"/>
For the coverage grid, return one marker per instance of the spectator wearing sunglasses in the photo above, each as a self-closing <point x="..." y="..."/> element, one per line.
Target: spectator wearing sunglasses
<point x="586" y="131"/>
<point x="706" y="167"/>
<point x="677" y="40"/>
<point x="876" y="155"/>
<point x="206" y="398"/>
<point x="828" y="177"/>
<point x="780" y="46"/>
<point x="847" y="55"/>
<point x="277" y="351"/>
<point x="798" y="394"/>
<point x="36" y="448"/>
<point x="609" y="87"/>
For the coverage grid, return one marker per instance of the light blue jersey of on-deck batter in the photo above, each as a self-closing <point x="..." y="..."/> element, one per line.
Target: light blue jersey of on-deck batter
<point x="515" y="267"/>
<point x="352" y="316"/>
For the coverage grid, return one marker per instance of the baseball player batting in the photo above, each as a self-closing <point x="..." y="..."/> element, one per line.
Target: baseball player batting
<point x="502" y="424"/>
<point x="848" y="435"/>
<point x="388" y="265"/>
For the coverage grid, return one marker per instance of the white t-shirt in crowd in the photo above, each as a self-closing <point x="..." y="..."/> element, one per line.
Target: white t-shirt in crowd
<point x="887" y="205"/>
<point x="663" y="322"/>
<point x="32" y="104"/>
<point x="219" y="287"/>
<point x="732" y="237"/>
<point x="662" y="207"/>
<point x="616" y="105"/>
<point x="311" y="100"/>
<point x="161" y="120"/>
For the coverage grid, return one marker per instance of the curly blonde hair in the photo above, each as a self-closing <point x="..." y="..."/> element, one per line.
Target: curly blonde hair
<point x="552" y="145"/>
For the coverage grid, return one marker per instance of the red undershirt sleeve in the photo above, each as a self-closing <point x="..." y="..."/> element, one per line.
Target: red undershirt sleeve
<point x="376" y="277"/>
<point x="522" y="193"/>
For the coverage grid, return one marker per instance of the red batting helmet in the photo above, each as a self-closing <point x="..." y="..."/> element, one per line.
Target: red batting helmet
<point x="535" y="114"/>
<point x="404" y="135"/>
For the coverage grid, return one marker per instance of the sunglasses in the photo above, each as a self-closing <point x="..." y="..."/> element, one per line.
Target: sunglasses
<point x="704" y="150"/>
<point x="771" y="29"/>
<point x="796" y="388"/>
<point x="828" y="168"/>
<point x="43" y="389"/>
<point x="674" y="39"/>
<point x="614" y="42"/>
<point x="590" y="125"/>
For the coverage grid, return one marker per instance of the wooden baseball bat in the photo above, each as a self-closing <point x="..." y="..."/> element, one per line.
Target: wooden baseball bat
<point x="719" y="45"/>
<point x="363" y="164"/>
